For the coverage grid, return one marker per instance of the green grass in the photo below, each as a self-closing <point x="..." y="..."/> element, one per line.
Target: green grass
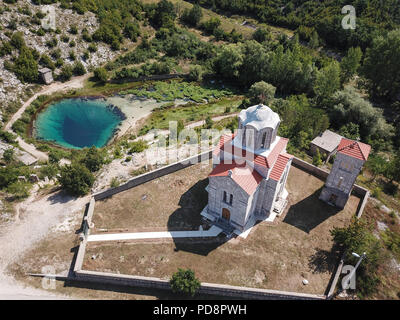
<point x="169" y="91"/>
<point x="161" y="117"/>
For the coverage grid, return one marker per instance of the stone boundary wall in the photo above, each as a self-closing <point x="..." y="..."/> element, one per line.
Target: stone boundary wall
<point x="148" y="176"/>
<point x="206" y="288"/>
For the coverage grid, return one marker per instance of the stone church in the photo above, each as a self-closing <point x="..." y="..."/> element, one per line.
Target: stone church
<point x="250" y="169"/>
<point x="350" y="157"/>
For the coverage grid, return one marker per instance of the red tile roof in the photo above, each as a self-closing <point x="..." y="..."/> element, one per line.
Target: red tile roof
<point x="354" y="149"/>
<point x="225" y="144"/>
<point x="224" y="139"/>
<point x="246" y="177"/>
<point x="279" y="166"/>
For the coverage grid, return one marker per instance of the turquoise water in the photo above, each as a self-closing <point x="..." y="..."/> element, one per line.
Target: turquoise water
<point x="78" y="123"/>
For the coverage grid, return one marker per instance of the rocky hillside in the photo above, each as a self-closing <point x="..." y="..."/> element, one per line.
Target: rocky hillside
<point x="61" y="44"/>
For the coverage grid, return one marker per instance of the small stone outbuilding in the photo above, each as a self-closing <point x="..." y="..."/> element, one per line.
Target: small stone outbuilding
<point x="46" y="75"/>
<point x="327" y="144"/>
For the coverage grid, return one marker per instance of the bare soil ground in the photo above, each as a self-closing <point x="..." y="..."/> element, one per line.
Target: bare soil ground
<point x="297" y="246"/>
<point x="172" y="202"/>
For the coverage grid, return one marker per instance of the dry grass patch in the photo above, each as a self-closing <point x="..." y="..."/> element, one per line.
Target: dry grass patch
<point x="171" y="202"/>
<point x="274" y="256"/>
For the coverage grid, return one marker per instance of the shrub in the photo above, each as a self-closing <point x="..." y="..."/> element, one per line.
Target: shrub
<point x="8" y="155"/>
<point x="49" y="171"/>
<point x="78" y="69"/>
<point x="101" y="74"/>
<point x="93" y="159"/>
<point x="66" y="73"/>
<point x="137" y="146"/>
<point x="317" y="161"/>
<point x="184" y="281"/>
<point x="92" y="47"/>
<point x="192" y="16"/>
<point x="114" y="182"/>
<point x="358" y="237"/>
<point x="196" y="73"/>
<point x="7" y="136"/>
<point x="76" y="179"/>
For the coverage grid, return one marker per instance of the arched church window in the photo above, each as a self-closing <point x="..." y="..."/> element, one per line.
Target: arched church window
<point x="263" y="141"/>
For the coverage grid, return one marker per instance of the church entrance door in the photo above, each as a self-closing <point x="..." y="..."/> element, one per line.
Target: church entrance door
<point x="226" y="214"/>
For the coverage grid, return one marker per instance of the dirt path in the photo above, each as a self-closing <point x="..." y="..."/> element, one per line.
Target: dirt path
<point x="75" y="83"/>
<point x="36" y="217"/>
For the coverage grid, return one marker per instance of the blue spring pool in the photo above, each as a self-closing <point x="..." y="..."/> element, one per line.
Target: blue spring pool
<point x="78" y="123"/>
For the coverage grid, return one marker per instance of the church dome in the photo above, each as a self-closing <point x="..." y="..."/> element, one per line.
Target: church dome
<point x="259" y="116"/>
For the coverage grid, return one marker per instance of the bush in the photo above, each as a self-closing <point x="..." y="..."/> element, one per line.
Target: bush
<point x="192" y="16"/>
<point x="317" y="161"/>
<point x="262" y="34"/>
<point x="7" y="136"/>
<point x="114" y="182"/>
<point x="137" y="146"/>
<point x="101" y="74"/>
<point x="261" y="92"/>
<point x="93" y="159"/>
<point x="76" y="179"/>
<point x="55" y="155"/>
<point x="78" y="69"/>
<point x="49" y="171"/>
<point x="66" y="73"/>
<point x="358" y="237"/>
<point x="196" y="73"/>
<point x="184" y="281"/>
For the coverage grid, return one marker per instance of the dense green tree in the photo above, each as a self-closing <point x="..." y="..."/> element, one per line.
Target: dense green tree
<point x="46" y="61"/>
<point x="8" y="155"/>
<point x="192" y="16"/>
<point x="101" y="74"/>
<point x="377" y="165"/>
<point x="299" y="121"/>
<point x="317" y="161"/>
<point x="131" y="30"/>
<point x="78" y="68"/>
<point x="76" y="179"/>
<point x="25" y="66"/>
<point x="327" y="81"/>
<point x="349" y="106"/>
<point x="163" y="15"/>
<point x="17" y="40"/>
<point x="184" y="281"/>
<point x="211" y="25"/>
<point x="381" y="66"/>
<point x="393" y="168"/>
<point x="359" y="238"/>
<point x="350" y="64"/>
<point x="229" y="61"/>
<point x="314" y="40"/>
<point x="66" y="73"/>
<point x="196" y="73"/>
<point x="262" y="34"/>
<point x="261" y="92"/>
<point x="94" y="159"/>
<point x="350" y="130"/>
